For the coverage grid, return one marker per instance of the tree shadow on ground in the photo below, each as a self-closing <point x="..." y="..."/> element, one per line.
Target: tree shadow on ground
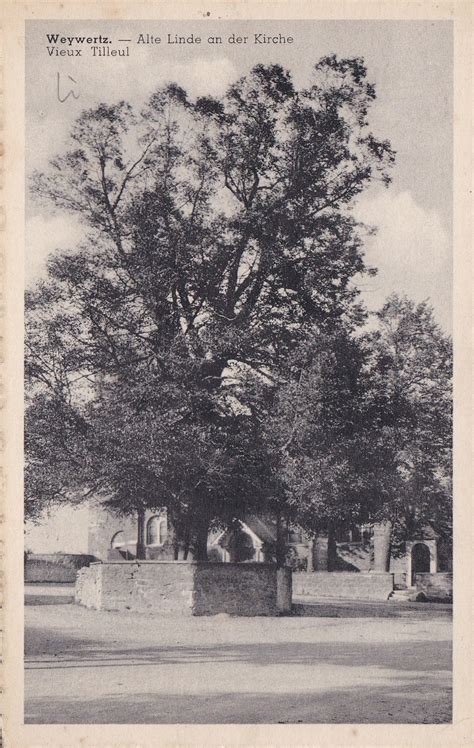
<point x="45" y="648"/>
<point x="312" y="608"/>
<point x="397" y="703"/>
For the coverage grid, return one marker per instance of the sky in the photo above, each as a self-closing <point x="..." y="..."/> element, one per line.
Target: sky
<point x="409" y="62"/>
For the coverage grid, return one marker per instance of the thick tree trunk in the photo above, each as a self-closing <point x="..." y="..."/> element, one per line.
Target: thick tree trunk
<point x="186" y="544"/>
<point x="232" y="547"/>
<point x="178" y="536"/>
<point x="324" y="551"/>
<point x="280" y="552"/>
<point x="332" y="548"/>
<point x="172" y="539"/>
<point x="199" y="538"/>
<point x="200" y="546"/>
<point x="141" y="545"/>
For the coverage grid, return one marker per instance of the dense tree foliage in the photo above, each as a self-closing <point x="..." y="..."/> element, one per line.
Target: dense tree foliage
<point x="362" y="428"/>
<point x="409" y="419"/>
<point x="217" y="237"/>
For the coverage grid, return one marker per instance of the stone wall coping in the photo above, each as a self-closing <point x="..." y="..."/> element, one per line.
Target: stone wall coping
<point x="56" y="556"/>
<point x="369" y="573"/>
<point x="434" y="573"/>
<point x="152" y="562"/>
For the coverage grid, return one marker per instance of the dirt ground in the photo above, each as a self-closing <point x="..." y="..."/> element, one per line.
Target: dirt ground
<point x="86" y="666"/>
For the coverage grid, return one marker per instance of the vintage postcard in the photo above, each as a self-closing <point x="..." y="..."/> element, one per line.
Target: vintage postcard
<point x="237" y="345"/>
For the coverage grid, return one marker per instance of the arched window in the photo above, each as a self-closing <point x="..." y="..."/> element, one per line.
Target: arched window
<point x="118" y="540"/>
<point x="156" y="531"/>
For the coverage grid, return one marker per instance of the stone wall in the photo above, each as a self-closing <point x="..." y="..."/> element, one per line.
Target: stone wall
<point x="54" y="567"/>
<point x="165" y="588"/>
<point x="237" y="589"/>
<point x="435" y="587"/>
<point x="185" y="588"/>
<point x="340" y="584"/>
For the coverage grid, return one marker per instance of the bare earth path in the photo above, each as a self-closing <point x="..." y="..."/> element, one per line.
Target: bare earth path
<point x="87" y="666"/>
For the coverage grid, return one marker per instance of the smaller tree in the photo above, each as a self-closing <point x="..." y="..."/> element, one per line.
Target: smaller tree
<point x="311" y="425"/>
<point x="408" y="434"/>
<point x="360" y="429"/>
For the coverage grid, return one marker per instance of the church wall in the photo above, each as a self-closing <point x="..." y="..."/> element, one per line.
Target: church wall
<point x="89" y="530"/>
<point x="86" y="529"/>
<point x="103" y="526"/>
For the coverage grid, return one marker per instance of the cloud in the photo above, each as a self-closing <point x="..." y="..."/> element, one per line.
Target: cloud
<point x="201" y="76"/>
<point x="43" y="237"/>
<point x="198" y="77"/>
<point x="411" y="249"/>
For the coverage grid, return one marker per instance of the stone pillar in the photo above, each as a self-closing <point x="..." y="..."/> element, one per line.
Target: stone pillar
<point x="320" y="553"/>
<point x="382" y="536"/>
<point x="284" y="589"/>
<point x="281" y="547"/>
<point x="433" y="557"/>
<point x="310" y="556"/>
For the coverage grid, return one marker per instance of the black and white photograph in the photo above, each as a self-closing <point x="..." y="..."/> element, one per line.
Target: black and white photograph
<point x="238" y="492"/>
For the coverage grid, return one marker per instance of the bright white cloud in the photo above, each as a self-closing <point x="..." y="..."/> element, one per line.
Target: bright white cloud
<point x="411" y="249"/>
<point x="200" y="77"/>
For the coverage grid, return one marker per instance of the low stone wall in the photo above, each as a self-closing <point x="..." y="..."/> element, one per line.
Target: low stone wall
<point x="434" y="587"/>
<point x="163" y="587"/>
<point x="236" y="589"/>
<point x="400" y="579"/>
<point x="54" y="567"/>
<point x="340" y="584"/>
<point x="185" y="588"/>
